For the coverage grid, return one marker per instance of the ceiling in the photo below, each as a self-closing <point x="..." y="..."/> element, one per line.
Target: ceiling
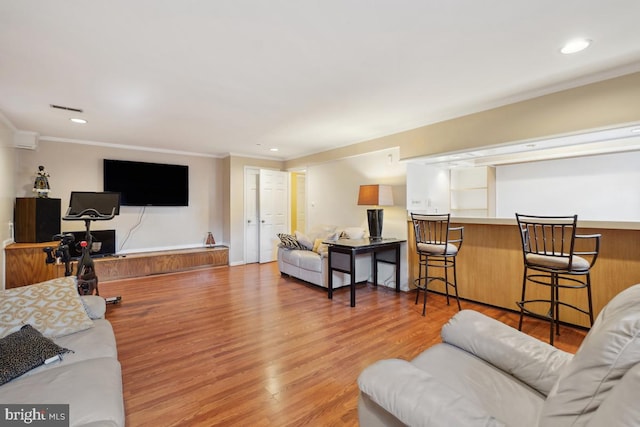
<point x="302" y="76"/>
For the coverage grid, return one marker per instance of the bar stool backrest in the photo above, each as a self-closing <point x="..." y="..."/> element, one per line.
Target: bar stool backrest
<point x="431" y="228"/>
<point x="552" y="236"/>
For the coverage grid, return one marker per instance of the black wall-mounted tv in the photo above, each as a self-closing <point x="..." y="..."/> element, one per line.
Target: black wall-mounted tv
<point x="147" y="184"/>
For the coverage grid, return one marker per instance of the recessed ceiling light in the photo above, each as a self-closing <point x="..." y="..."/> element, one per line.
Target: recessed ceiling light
<point x="77" y="120"/>
<point x="575" y="45"/>
<point x="273" y="149"/>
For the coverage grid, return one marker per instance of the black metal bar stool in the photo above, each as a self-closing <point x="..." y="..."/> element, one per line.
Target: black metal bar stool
<point x="437" y="245"/>
<point x="552" y="258"/>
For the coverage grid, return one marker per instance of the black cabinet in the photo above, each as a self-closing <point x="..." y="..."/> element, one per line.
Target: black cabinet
<point x="36" y="219"/>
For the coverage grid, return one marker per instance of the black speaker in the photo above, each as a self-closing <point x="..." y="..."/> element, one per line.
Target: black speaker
<point x="36" y="219"/>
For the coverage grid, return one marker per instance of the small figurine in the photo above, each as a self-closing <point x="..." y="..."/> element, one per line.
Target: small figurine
<point x="41" y="184"/>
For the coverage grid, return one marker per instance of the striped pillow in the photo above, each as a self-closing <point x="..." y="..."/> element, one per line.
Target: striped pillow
<point x="288" y="241"/>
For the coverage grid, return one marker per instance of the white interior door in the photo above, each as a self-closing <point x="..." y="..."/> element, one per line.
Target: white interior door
<point x="274" y="212"/>
<point x="252" y="216"/>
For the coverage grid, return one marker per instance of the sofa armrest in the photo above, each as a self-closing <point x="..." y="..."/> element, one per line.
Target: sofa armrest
<point x="94" y="305"/>
<point x="532" y="361"/>
<point x="418" y="399"/>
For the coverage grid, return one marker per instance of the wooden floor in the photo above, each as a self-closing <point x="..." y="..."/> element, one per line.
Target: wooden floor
<point x="243" y="346"/>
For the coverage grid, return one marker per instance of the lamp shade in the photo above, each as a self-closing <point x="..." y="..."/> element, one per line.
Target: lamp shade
<point x="375" y="195"/>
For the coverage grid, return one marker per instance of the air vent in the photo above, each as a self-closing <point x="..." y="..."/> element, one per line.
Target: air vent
<point x="62" y="107"/>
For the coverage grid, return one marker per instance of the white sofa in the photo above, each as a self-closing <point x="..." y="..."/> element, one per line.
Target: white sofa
<point x="310" y="263"/>
<point x="486" y="373"/>
<point x="88" y="378"/>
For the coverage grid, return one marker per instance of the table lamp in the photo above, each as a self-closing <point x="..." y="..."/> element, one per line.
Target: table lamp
<point x="375" y="195"/>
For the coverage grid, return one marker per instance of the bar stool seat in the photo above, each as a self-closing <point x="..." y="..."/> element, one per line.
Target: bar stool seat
<point x="437" y="245"/>
<point x="552" y="258"/>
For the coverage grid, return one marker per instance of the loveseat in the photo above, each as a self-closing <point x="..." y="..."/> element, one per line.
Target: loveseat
<point x="71" y="331"/>
<point x="305" y="256"/>
<point x="486" y="373"/>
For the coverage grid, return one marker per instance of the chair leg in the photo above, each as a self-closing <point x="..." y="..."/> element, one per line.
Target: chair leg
<point x="553" y="309"/>
<point x="590" y="301"/>
<point x="524" y="289"/>
<point x="419" y="283"/>
<point x="446" y="278"/>
<point x="421" y="266"/>
<point x="426" y="283"/>
<point x="455" y="283"/>
<point x="557" y="304"/>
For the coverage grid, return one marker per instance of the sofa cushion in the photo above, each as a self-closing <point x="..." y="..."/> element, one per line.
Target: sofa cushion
<point x="417" y="398"/>
<point x="289" y="256"/>
<point x="309" y="260"/>
<point x="93" y="343"/>
<point x="93" y="389"/>
<point x="609" y="350"/>
<point x="24" y="350"/>
<point x="479" y="381"/>
<point x="53" y="307"/>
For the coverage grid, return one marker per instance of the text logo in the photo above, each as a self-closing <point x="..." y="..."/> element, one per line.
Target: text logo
<point x="34" y="415"/>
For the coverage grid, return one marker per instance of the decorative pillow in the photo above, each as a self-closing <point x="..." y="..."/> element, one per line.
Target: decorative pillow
<point x="320" y="247"/>
<point x="353" y="233"/>
<point x="54" y="308"/>
<point x="24" y="350"/>
<point x="288" y="241"/>
<point x="304" y="240"/>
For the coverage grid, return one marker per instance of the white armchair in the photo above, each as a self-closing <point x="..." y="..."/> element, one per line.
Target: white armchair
<point x="486" y="373"/>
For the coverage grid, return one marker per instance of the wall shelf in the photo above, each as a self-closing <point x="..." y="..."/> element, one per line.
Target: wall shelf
<point x="472" y="191"/>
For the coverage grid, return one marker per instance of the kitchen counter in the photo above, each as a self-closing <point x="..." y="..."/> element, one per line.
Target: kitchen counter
<point x="614" y="225"/>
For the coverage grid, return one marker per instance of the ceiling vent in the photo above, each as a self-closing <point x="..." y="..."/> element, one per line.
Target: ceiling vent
<point x="25" y="139"/>
<point x="62" y="107"/>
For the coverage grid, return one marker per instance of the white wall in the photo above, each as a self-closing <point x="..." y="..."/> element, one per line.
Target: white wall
<point x="7" y="191"/>
<point x="77" y="167"/>
<point x="604" y="187"/>
<point x="332" y="196"/>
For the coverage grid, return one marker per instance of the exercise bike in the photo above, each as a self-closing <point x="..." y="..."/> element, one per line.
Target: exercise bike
<point x="104" y="206"/>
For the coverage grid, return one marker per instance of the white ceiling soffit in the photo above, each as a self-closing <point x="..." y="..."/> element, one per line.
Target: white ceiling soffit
<point x="302" y="76"/>
<point x="604" y="141"/>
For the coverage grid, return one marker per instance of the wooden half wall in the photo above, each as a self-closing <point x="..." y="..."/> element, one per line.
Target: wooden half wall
<point x="490" y="268"/>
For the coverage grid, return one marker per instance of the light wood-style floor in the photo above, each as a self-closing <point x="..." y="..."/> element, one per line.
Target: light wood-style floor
<point x="243" y="346"/>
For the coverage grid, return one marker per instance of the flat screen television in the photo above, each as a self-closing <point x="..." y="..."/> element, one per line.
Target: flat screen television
<point x="147" y="184"/>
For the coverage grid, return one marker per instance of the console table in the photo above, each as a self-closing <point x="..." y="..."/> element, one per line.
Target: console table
<point x="342" y="257"/>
